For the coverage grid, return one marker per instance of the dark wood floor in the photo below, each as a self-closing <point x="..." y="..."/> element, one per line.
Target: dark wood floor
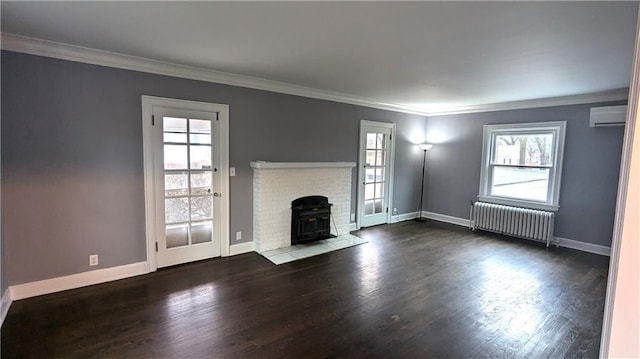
<point x="420" y="290"/>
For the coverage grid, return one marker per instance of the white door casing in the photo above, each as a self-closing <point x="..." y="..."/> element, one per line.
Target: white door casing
<point x="154" y="110"/>
<point x="375" y="168"/>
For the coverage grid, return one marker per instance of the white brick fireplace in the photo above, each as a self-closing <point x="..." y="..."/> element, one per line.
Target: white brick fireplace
<point x="276" y="184"/>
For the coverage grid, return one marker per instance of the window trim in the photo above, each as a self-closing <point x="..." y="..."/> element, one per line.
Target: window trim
<point x="490" y="132"/>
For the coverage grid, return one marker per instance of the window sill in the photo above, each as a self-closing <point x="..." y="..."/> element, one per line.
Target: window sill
<point x="520" y="203"/>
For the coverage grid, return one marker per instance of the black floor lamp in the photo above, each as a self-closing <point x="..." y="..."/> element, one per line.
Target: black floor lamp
<point x="424" y="147"/>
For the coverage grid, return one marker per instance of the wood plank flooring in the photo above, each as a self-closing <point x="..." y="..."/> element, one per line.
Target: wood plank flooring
<point x="417" y="290"/>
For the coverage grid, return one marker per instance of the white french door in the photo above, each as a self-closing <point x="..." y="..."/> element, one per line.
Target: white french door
<point x="375" y="172"/>
<point x="188" y="172"/>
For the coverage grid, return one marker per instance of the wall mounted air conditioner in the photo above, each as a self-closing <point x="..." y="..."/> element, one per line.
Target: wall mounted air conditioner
<point x="608" y="116"/>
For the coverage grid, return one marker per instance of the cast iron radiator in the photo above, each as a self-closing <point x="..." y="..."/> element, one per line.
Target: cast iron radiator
<point x="514" y="221"/>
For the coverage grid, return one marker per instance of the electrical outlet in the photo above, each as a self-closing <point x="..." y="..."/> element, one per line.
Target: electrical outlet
<point x="353" y="217"/>
<point x="93" y="260"/>
<point x="232" y="171"/>
<point x="238" y="236"/>
<point x="395" y="211"/>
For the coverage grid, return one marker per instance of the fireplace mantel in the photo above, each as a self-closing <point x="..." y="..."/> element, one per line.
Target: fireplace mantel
<point x="276" y="165"/>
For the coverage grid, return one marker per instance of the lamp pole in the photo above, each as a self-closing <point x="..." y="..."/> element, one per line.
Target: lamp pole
<point x="424" y="147"/>
<point x="424" y="160"/>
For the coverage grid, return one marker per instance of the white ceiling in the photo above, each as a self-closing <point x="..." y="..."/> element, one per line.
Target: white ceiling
<point x="428" y="56"/>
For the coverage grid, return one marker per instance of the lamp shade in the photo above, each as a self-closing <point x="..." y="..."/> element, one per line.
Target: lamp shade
<point x="425" y="146"/>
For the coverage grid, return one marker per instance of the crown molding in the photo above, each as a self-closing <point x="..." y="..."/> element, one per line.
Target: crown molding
<point x="604" y="96"/>
<point x="57" y="50"/>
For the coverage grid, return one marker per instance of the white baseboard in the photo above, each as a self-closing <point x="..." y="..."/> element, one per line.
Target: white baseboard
<point x="394" y="219"/>
<point x="41" y="287"/>
<point x="584" y="246"/>
<point x="564" y="242"/>
<point x="447" y="219"/>
<point x="404" y="217"/>
<point x="4" y="305"/>
<point x="241" y="248"/>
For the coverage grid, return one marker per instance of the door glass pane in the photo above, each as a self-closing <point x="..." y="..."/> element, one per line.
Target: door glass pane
<point x="368" y="207"/>
<point x="199" y="138"/>
<point x="201" y="183"/>
<point x="520" y="182"/>
<point x="380" y="158"/>
<point x="381" y="140"/>
<point x="378" y="206"/>
<point x="175" y="137"/>
<point x="199" y="126"/>
<point x="176" y="209"/>
<point x="201" y="208"/>
<point x="369" y="191"/>
<point x="371" y="141"/>
<point x="379" y="190"/>
<point x="380" y="174"/>
<point x="175" y="184"/>
<point x="201" y="232"/>
<point x="173" y="124"/>
<point x="371" y="158"/>
<point x="175" y="157"/>
<point x="177" y="235"/>
<point x="200" y="157"/>
<point x="369" y="174"/>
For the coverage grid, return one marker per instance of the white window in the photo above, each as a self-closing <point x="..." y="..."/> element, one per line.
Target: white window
<point x="522" y="164"/>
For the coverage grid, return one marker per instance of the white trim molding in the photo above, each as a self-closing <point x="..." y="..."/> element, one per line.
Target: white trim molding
<point x="445" y="218"/>
<point x="286" y="165"/>
<point x="241" y="248"/>
<point x="594" y="97"/>
<point x="584" y="246"/>
<point x="396" y="218"/>
<point x="57" y="50"/>
<point x="53" y="285"/>
<point x="5" y="305"/>
<point x="404" y="217"/>
<point x="563" y="242"/>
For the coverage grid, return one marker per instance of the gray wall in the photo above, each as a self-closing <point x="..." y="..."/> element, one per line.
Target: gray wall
<point x="73" y="173"/>
<point x="73" y="167"/>
<point x="589" y="176"/>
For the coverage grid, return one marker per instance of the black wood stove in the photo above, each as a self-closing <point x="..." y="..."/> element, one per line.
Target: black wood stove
<point x="310" y="219"/>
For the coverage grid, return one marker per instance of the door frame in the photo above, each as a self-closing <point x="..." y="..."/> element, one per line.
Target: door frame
<point x="365" y="125"/>
<point x="618" y="284"/>
<point x="149" y="137"/>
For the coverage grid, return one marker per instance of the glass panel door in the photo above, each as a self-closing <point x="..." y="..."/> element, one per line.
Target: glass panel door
<point x="375" y="142"/>
<point x="190" y="177"/>
<point x="187" y="180"/>
<point x="375" y="173"/>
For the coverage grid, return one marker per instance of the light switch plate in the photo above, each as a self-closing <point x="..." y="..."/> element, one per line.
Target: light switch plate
<point x="232" y="171"/>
